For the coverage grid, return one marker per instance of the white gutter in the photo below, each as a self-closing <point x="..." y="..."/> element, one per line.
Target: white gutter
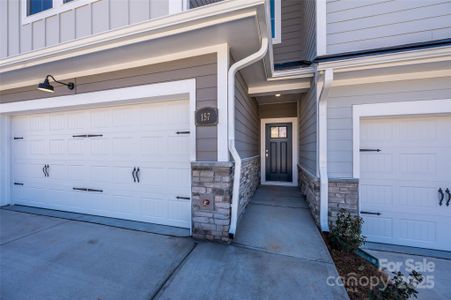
<point x="231" y="127"/>
<point x="322" y="149"/>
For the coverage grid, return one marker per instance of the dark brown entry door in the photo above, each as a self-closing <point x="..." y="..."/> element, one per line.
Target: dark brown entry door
<point x="278" y="152"/>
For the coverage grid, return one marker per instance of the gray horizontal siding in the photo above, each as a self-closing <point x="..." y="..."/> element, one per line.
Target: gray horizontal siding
<point x="199" y="3"/>
<point x="247" y="124"/>
<point x="278" y="110"/>
<point x="298" y="38"/>
<point x="203" y="68"/>
<point x="308" y="130"/>
<point x="359" y="25"/>
<point x="98" y="16"/>
<point x="341" y="100"/>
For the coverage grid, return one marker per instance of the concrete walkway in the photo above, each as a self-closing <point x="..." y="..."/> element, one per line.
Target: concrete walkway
<point x="278" y="253"/>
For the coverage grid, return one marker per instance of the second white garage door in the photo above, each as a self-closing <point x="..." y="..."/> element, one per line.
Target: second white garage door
<point x="88" y="160"/>
<point x="401" y="186"/>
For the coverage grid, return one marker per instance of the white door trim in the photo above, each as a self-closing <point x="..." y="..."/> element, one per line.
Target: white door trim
<point x="294" y="122"/>
<point x="390" y="109"/>
<point x="167" y="91"/>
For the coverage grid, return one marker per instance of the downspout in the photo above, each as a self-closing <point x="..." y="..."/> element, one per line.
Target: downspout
<point x="231" y="127"/>
<point x="322" y="140"/>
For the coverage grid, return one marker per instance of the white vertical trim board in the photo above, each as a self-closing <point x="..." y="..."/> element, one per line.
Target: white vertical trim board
<point x="5" y="162"/>
<point x="223" y="68"/>
<point x="167" y="91"/>
<point x="294" y="122"/>
<point x="390" y="109"/>
<point x="277" y="22"/>
<point x="321" y="27"/>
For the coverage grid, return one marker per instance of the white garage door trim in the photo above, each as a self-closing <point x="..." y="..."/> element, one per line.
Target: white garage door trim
<point x="175" y="90"/>
<point x="390" y="109"/>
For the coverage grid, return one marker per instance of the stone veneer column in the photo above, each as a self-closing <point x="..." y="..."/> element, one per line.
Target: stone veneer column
<point x="343" y="193"/>
<point x="211" y="190"/>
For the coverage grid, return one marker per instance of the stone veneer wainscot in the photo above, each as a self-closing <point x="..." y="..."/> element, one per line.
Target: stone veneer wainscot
<point x="343" y="193"/>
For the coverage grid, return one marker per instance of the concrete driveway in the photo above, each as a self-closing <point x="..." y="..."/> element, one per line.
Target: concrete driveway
<point x="43" y="257"/>
<point x="50" y="258"/>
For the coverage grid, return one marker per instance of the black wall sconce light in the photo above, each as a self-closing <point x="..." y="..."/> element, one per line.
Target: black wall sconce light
<point x="47" y="87"/>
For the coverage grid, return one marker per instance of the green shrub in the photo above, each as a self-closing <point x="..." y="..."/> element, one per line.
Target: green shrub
<point x="346" y="234"/>
<point x="398" y="288"/>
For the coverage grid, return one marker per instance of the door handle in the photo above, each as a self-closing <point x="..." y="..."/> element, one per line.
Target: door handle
<point x="47" y="170"/>
<point x="449" y="196"/>
<point x="442" y="196"/>
<point x="137" y="174"/>
<point x="43" y="171"/>
<point x="133" y="174"/>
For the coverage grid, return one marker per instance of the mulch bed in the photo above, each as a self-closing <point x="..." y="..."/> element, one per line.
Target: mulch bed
<point x="352" y="268"/>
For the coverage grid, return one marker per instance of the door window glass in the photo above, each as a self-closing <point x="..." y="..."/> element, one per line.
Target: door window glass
<point x="278" y="132"/>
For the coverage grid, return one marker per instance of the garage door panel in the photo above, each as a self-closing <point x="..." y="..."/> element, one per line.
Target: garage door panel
<point x="379" y="229"/>
<point x="140" y="135"/>
<point x="57" y="146"/>
<point x="376" y="195"/>
<point x="404" y="188"/>
<point x="377" y="164"/>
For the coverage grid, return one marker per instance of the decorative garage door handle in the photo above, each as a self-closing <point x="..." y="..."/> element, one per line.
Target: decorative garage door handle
<point x="442" y="196"/>
<point x="137" y="174"/>
<point x="133" y="174"/>
<point x="449" y="196"/>
<point x="45" y="170"/>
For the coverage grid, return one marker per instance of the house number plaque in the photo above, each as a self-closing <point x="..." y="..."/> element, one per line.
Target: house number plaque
<point x="207" y="116"/>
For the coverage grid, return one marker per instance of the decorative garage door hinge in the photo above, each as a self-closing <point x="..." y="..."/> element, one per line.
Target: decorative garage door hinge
<point x="87" y="135"/>
<point x="87" y="190"/>
<point x="18" y="183"/>
<point x="370" y="150"/>
<point x="183" y="132"/>
<point x="18" y="138"/>
<point x="370" y="213"/>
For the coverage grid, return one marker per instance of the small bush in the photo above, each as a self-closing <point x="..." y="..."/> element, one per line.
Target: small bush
<point x="398" y="288"/>
<point x="346" y="234"/>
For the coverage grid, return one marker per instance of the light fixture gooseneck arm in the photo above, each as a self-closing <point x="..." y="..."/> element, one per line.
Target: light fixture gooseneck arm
<point x="70" y="85"/>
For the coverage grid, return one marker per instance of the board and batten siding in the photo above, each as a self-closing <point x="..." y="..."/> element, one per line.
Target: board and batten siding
<point x="298" y="37"/>
<point x="341" y="100"/>
<point x="247" y="122"/>
<point x="202" y="68"/>
<point x="307" y="118"/>
<point x="96" y="17"/>
<point x="367" y="24"/>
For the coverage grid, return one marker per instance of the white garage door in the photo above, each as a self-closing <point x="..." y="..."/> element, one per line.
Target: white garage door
<point x="55" y="165"/>
<point x="401" y="186"/>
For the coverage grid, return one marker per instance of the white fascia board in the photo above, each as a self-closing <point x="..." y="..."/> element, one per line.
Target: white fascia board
<point x="388" y="60"/>
<point x="189" y="20"/>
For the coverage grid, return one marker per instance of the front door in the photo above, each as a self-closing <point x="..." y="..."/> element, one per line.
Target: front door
<point x="278" y="152"/>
